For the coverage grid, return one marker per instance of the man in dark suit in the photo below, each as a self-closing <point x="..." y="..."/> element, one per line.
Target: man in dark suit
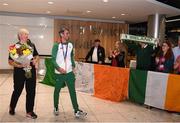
<point x="96" y="54"/>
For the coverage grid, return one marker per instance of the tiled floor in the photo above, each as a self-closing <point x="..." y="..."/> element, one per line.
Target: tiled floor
<point x="98" y="110"/>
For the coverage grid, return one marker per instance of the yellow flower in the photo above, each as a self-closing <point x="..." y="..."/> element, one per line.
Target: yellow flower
<point x="26" y="52"/>
<point x="13" y="51"/>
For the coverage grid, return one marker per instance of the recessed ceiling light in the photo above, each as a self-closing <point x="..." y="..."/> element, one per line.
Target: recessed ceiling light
<point x="105" y="1"/>
<point x="123" y="14"/>
<point x="113" y="17"/>
<point x="50" y="2"/>
<point x="48" y="12"/>
<point x="5" y="4"/>
<point x="88" y="11"/>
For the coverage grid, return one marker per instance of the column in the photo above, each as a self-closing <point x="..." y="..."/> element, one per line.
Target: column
<point x="156" y="26"/>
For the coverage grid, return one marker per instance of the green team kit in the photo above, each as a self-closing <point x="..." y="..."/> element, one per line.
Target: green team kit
<point x="63" y="57"/>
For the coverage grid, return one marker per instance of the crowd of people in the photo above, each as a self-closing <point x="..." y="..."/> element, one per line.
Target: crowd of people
<point x="163" y="58"/>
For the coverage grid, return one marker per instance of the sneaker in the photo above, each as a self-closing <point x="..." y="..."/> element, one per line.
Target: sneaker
<point x="31" y="115"/>
<point x="80" y="114"/>
<point x="11" y="111"/>
<point x="56" y="111"/>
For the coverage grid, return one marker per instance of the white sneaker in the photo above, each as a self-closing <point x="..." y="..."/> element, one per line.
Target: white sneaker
<point x="80" y="114"/>
<point x="56" y="111"/>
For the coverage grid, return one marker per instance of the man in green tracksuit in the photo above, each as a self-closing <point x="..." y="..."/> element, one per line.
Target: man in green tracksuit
<point x="62" y="58"/>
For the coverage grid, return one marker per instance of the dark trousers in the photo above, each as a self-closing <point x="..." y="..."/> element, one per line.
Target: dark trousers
<point x="30" y="85"/>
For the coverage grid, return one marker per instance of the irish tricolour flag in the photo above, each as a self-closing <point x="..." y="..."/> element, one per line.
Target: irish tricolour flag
<point x="155" y="89"/>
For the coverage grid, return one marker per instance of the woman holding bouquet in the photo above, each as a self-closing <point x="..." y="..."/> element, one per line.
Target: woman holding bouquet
<point x="22" y="48"/>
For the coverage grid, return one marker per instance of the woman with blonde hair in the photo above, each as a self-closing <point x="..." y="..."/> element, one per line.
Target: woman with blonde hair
<point x="20" y="79"/>
<point x="117" y="56"/>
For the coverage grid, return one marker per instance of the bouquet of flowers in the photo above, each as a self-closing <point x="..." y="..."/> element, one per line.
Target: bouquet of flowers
<point x="22" y="53"/>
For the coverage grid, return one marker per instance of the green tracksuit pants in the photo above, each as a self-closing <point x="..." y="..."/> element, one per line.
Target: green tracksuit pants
<point x="62" y="80"/>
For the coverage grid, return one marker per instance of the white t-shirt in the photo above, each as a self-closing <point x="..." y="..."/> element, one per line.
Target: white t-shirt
<point x="94" y="55"/>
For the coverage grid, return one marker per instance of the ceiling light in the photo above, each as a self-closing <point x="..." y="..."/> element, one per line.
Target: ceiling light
<point x="5" y="4"/>
<point x="105" y="1"/>
<point x="88" y="11"/>
<point x="50" y="2"/>
<point x="113" y="17"/>
<point x="123" y="14"/>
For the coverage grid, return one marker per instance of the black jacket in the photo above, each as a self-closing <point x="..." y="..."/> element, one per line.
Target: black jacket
<point x="100" y="53"/>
